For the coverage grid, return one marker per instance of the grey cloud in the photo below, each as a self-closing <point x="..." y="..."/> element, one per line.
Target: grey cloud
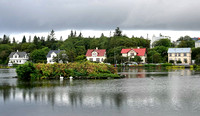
<point x="44" y="15"/>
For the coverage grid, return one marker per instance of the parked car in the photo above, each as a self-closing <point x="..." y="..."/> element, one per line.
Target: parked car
<point x="132" y="63"/>
<point x="108" y="63"/>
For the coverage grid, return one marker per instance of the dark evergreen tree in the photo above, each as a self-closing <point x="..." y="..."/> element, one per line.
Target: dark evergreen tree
<point x="24" y="39"/>
<point x="52" y="36"/>
<point x="80" y="35"/>
<point x="6" y="39"/>
<point x="117" y="32"/>
<point x="14" y="40"/>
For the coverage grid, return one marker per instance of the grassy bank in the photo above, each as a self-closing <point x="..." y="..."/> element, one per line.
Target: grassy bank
<point x="4" y="67"/>
<point x="81" y="70"/>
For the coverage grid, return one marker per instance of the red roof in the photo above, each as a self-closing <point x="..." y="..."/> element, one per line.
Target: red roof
<point x="100" y="52"/>
<point x="139" y="51"/>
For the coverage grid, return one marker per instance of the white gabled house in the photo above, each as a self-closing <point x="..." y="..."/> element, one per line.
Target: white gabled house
<point x="96" y="55"/>
<point x="18" y="58"/>
<point x="51" y="55"/>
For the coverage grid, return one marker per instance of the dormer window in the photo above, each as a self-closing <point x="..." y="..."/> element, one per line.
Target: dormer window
<point x="94" y="54"/>
<point x="15" y="56"/>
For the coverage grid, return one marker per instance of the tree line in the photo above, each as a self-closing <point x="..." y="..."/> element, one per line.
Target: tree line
<point x="76" y="46"/>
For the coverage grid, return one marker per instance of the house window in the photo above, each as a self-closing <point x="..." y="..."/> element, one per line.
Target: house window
<point x="170" y="54"/>
<point x="185" y="60"/>
<point x="102" y="59"/>
<point x="94" y="54"/>
<point x="179" y="54"/>
<point x="98" y="59"/>
<point x="91" y="59"/>
<point x="185" y="54"/>
<point x="175" y="54"/>
<point x="132" y="54"/>
<point x="15" y="56"/>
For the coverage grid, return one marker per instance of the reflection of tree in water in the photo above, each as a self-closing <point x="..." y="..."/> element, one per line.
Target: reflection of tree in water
<point x="119" y="98"/>
<point x="75" y="97"/>
<point x="5" y="91"/>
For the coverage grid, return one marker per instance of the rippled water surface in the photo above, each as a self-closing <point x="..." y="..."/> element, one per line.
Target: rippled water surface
<point x="144" y="92"/>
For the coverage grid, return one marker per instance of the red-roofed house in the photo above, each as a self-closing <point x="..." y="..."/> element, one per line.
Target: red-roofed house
<point x="96" y="55"/>
<point x="132" y="52"/>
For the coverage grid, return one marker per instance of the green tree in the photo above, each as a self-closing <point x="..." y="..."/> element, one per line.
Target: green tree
<point x="61" y="57"/>
<point x="52" y="36"/>
<point x="71" y="54"/>
<point x="195" y="52"/>
<point x="137" y="59"/>
<point x="14" y="40"/>
<point x="154" y="57"/>
<point x="117" y="32"/>
<point x="24" y="71"/>
<point x="39" y="55"/>
<point x="6" y="39"/>
<point x="162" y="42"/>
<point x="185" y="42"/>
<point x="81" y="58"/>
<point x="24" y="39"/>
<point x="197" y="59"/>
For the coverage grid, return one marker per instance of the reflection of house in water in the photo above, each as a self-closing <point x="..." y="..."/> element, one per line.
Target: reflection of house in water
<point x="141" y="73"/>
<point x="135" y="73"/>
<point x="185" y="72"/>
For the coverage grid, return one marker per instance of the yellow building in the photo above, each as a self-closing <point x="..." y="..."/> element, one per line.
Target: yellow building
<point x="180" y="54"/>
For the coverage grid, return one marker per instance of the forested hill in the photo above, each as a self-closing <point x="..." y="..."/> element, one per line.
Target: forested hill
<point x="75" y="45"/>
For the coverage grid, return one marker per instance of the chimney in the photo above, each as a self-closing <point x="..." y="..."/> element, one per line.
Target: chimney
<point x="138" y="47"/>
<point x="17" y="50"/>
<point x="96" y="48"/>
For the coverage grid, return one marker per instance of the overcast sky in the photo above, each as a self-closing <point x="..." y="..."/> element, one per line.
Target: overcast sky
<point x="37" y="16"/>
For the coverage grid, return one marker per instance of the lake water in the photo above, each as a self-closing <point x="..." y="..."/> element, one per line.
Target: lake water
<point x="144" y="92"/>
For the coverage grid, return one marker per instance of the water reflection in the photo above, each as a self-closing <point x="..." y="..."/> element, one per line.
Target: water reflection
<point x="177" y="90"/>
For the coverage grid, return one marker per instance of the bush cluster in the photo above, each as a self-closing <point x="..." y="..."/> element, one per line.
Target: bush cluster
<point x="78" y="69"/>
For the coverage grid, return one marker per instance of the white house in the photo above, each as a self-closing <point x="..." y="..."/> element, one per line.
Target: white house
<point x="18" y="58"/>
<point x="51" y="55"/>
<point x="180" y="54"/>
<point x="197" y="44"/>
<point x="132" y="52"/>
<point x="96" y="55"/>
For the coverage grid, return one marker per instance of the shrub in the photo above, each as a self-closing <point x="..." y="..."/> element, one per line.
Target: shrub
<point x="24" y="71"/>
<point x="76" y="69"/>
<point x="166" y="64"/>
<point x="171" y="61"/>
<point x="150" y="65"/>
<point x="179" y="62"/>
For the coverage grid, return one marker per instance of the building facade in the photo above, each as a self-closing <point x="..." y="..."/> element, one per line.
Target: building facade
<point x="197" y="44"/>
<point x="182" y="55"/>
<point x="50" y="56"/>
<point x="96" y="55"/>
<point x="154" y="38"/>
<point x="132" y="52"/>
<point x="18" y="58"/>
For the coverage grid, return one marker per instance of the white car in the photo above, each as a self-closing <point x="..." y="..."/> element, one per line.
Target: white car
<point x="132" y="63"/>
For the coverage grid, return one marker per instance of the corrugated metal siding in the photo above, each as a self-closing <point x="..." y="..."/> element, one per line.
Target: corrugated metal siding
<point x="179" y="50"/>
